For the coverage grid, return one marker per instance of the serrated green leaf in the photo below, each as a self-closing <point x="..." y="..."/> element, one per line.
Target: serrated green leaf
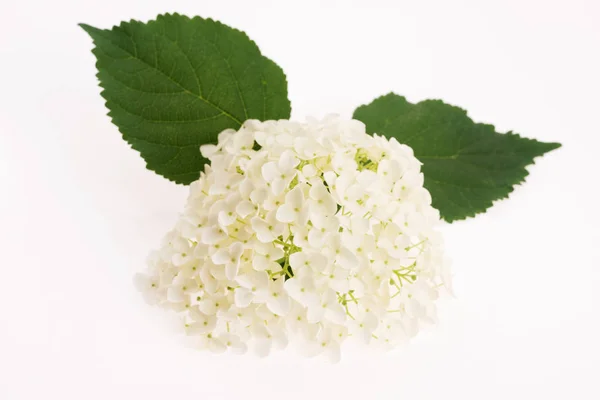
<point x="467" y="166"/>
<point x="173" y="84"/>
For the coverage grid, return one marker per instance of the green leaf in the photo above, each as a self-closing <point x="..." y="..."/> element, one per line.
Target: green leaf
<point x="466" y="165"/>
<point x="173" y="84"/>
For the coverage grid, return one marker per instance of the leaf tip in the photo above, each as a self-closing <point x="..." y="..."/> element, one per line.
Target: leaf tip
<point x="547" y="147"/>
<point x="554" y="146"/>
<point x="88" y="28"/>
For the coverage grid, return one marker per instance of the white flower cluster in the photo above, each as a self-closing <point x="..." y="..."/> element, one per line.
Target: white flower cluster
<point x="309" y="231"/>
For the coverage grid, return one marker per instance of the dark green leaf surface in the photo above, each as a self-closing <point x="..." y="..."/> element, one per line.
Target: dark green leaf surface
<point x="466" y="165"/>
<point x="174" y="83"/>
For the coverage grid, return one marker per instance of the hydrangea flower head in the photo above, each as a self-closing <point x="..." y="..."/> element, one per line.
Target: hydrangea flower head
<point x="309" y="232"/>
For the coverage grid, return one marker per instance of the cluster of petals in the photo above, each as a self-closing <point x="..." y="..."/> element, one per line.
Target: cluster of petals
<point x="311" y="233"/>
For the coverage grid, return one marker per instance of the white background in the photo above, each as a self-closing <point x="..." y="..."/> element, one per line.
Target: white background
<point x="78" y="211"/>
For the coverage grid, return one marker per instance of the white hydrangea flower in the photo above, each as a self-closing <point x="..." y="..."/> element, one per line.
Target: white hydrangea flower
<point x="306" y="232"/>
